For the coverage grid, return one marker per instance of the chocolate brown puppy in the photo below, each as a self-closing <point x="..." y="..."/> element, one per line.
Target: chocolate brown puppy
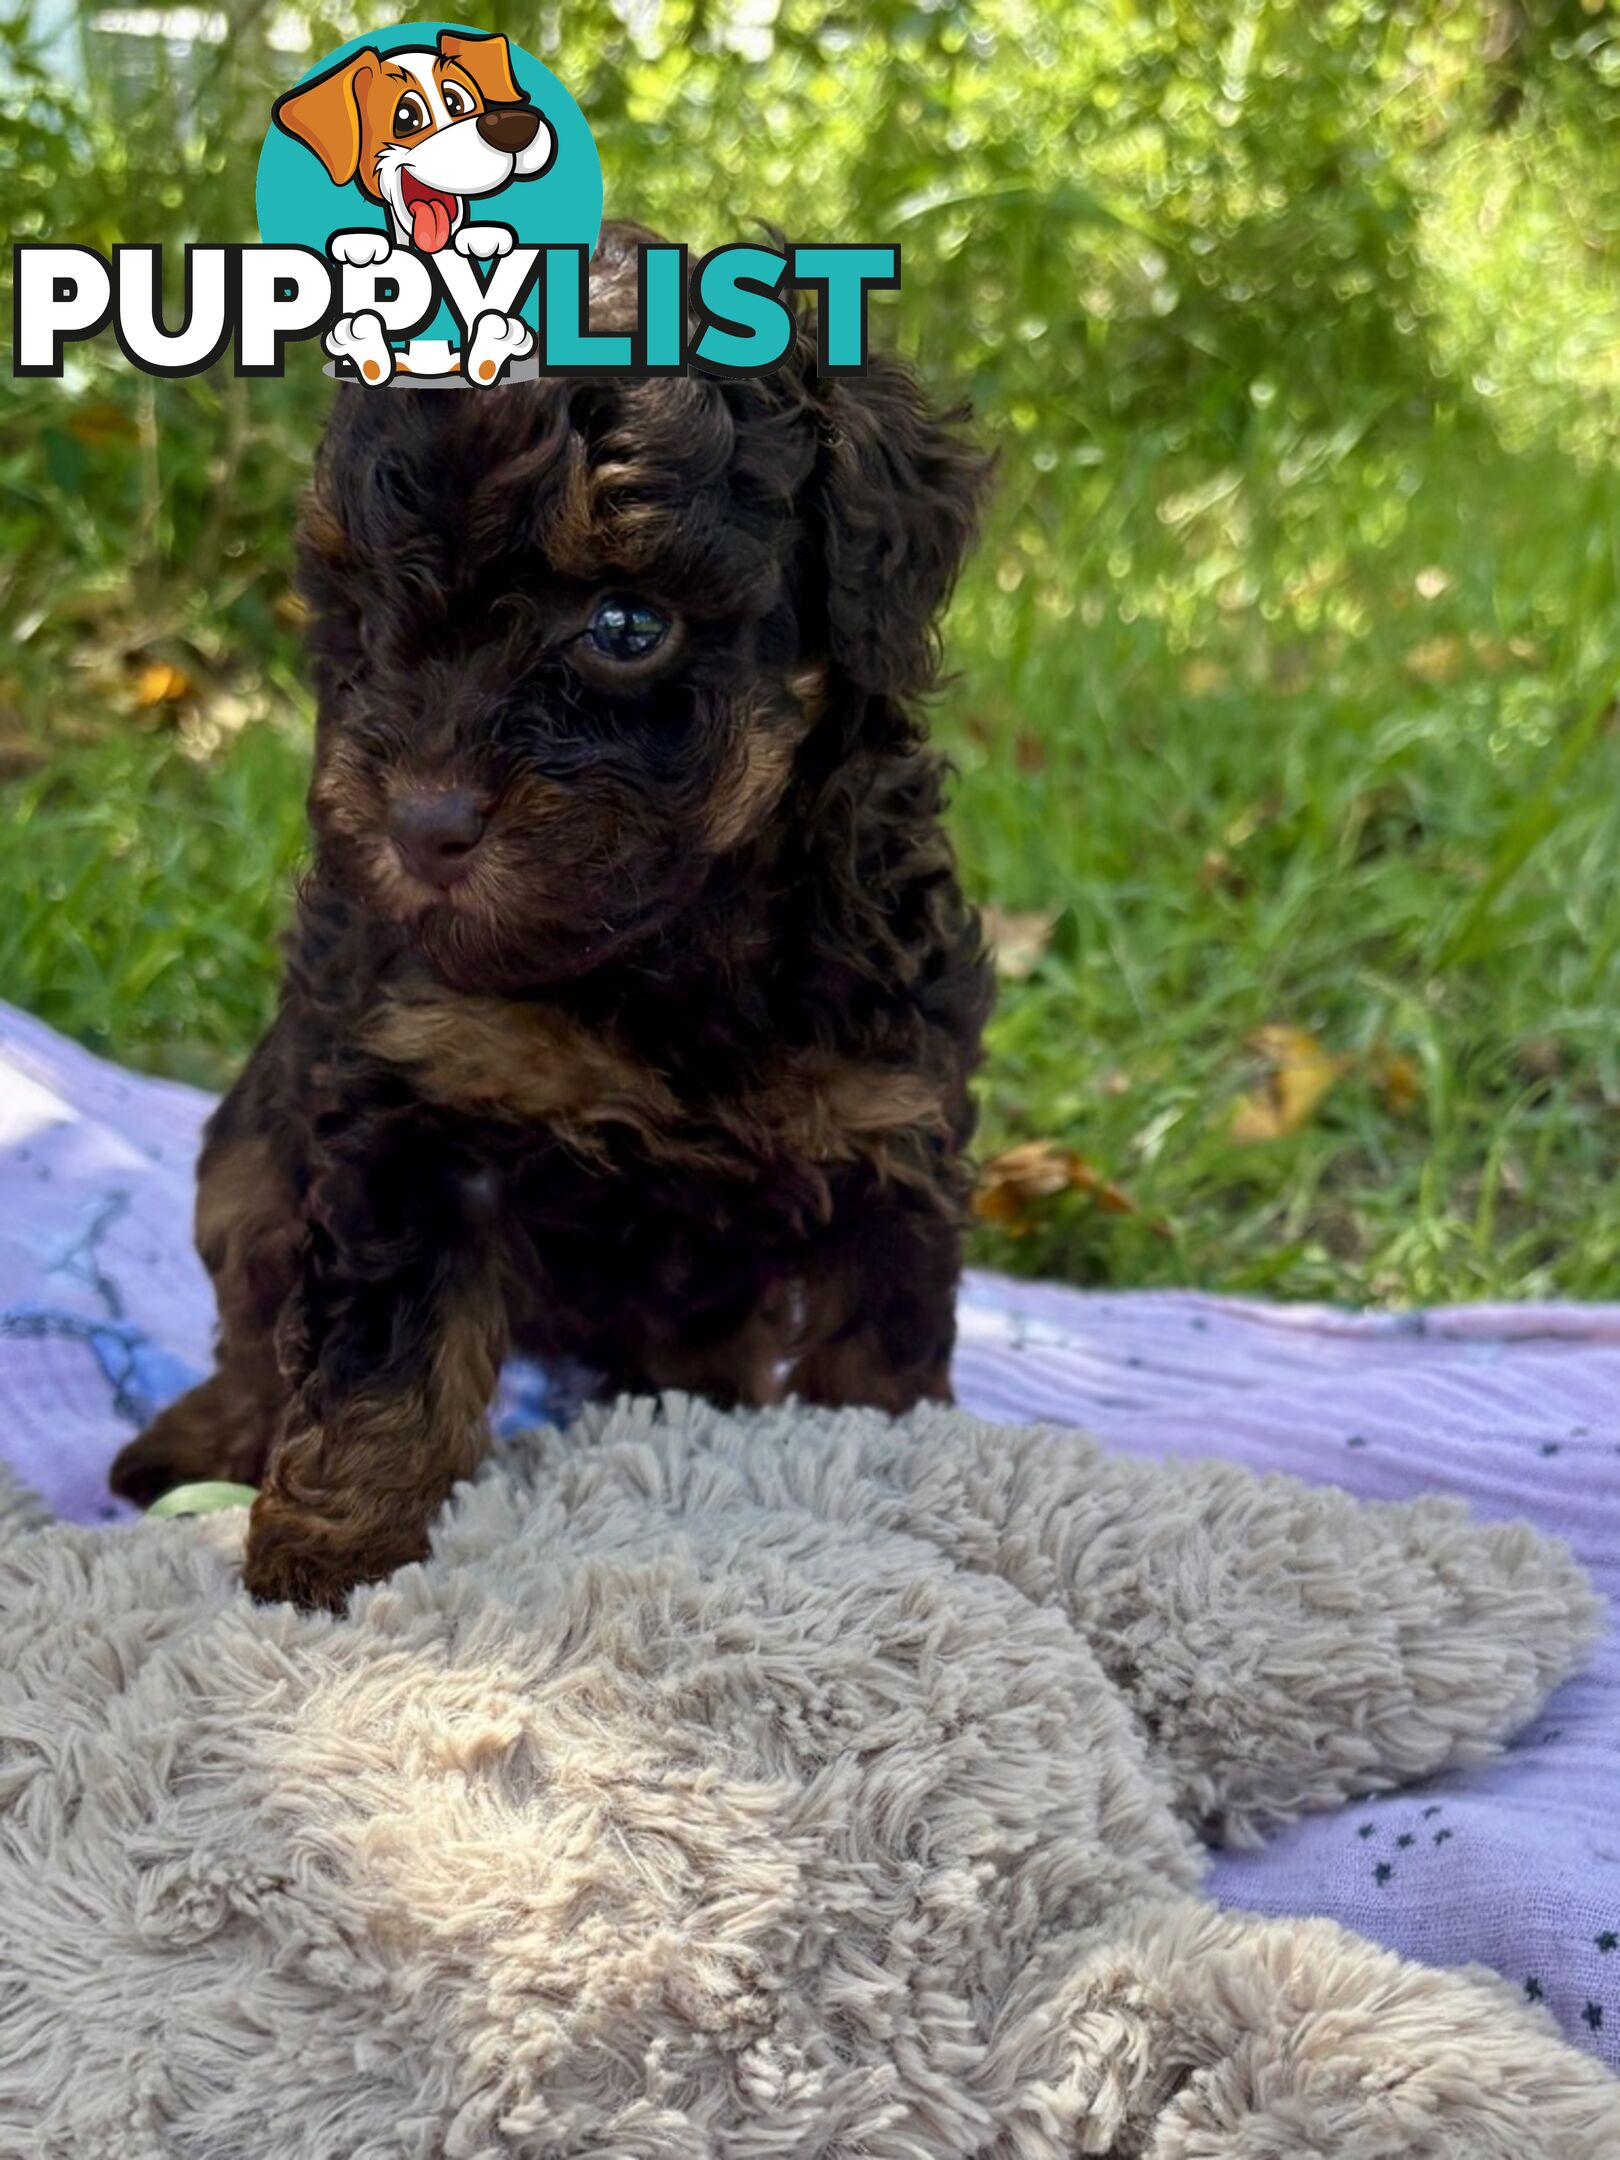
<point x="631" y="1000"/>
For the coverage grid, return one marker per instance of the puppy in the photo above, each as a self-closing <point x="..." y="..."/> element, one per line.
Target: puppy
<point x="423" y="130"/>
<point x="631" y="1000"/>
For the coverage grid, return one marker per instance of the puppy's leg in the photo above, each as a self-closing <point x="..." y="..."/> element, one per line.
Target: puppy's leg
<point x="397" y="1333"/>
<point x="250" y="1235"/>
<point x="881" y="1318"/>
<point x="735" y="1355"/>
<point x="222" y="1429"/>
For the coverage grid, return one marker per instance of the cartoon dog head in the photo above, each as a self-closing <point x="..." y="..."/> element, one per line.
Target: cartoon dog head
<point x="422" y="129"/>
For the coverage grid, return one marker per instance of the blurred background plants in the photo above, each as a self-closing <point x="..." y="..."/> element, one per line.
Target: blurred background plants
<point x="1284" y="696"/>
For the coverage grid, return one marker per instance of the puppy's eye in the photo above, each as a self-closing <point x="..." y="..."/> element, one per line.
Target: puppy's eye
<point x="624" y="628"/>
<point x="410" y="115"/>
<point x="456" y="100"/>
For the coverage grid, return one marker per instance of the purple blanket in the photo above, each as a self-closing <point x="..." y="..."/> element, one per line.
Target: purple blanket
<point x="104" y="1313"/>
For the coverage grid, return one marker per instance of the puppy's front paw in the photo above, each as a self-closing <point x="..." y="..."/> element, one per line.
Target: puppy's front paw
<point x="485" y="241"/>
<point x="359" y="339"/>
<point x="360" y="247"/>
<point x="147" y="1467"/>
<point x="497" y="340"/>
<point x="155" y="1462"/>
<point x="216" y="1432"/>
<point x="298" y="1559"/>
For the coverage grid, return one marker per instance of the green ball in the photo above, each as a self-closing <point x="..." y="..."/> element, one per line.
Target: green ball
<point x="205" y="1499"/>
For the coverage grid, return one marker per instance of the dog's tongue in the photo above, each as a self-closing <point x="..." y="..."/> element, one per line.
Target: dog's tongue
<point x="430" y="223"/>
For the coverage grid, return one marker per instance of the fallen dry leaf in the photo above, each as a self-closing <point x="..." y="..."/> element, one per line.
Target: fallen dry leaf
<point x="101" y="425"/>
<point x="1203" y="677"/>
<point x="1301" y="1074"/>
<point x="1541" y="1058"/>
<point x="1012" y="1185"/>
<point x="1437" y="660"/>
<point x="1253" y="818"/>
<point x="1497" y="653"/>
<point x="1016" y="940"/>
<point x="160" y="682"/>
<point x="20" y="753"/>
<point x="1397" y="1079"/>
<point x="1218" y="873"/>
<point x="1291" y="665"/>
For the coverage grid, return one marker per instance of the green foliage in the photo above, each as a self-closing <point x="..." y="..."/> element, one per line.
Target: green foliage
<point x="1324" y="740"/>
<point x="144" y="892"/>
<point x="1285" y="672"/>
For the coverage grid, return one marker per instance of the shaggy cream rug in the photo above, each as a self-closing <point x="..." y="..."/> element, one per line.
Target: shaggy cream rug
<point x="760" y="1788"/>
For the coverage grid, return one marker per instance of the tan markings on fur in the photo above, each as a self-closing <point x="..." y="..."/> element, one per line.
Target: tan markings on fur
<point x="748" y="1366"/>
<point x="223" y="1429"/>
<point x="538" y="1065"/>
<point x="247" y="1231"/>
<point x="352" y="1485"/>
<point x="834" y="1102"/>
<point x="518" y="1061"/>
<point x="531" y="801"/>
<point x="231" y="1194"/>
<point x="860" y="1368"/>
<point x="572" y="539"/>
<point x="354" y="806"/>
<point x="808" y="687"/>
<point x="321" y="529"/>
<point x="250" y="1236"/>
<point x="342" y="789"/>
<point x="748" y="794"/>
<point x="592" y="529"/>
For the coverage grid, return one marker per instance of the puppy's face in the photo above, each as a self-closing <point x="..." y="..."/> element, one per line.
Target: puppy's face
<point x="576" y="642"/>
<point x="422" y="129"/>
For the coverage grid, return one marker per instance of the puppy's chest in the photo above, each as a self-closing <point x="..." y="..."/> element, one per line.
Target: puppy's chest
<point x="537" y="1069"/>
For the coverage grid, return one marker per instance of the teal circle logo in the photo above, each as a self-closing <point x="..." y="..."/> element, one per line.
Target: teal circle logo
<point x="433" y="135"/>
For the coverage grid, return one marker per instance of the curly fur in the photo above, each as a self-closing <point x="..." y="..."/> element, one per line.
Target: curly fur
<point x="673" y="1086"/>
<point x="786" y="1785"/>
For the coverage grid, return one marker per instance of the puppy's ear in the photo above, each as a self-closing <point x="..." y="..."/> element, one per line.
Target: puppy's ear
<point x="325" y="114"/>
<point x="901" y="486"/>
<point x="488" y="60"/>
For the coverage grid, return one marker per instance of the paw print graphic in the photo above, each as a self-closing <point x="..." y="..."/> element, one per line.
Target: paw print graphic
<point x="497" y="340"/>
<point x="359" y="341"/>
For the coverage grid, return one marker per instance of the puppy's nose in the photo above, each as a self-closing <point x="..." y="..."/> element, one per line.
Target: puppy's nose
<point x="436" y="831"/>
<point x="512" y="130"/>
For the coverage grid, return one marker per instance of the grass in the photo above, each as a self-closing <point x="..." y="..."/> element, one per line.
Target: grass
<point x="1323" y="738"/>
<point x="140" y="906"/>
